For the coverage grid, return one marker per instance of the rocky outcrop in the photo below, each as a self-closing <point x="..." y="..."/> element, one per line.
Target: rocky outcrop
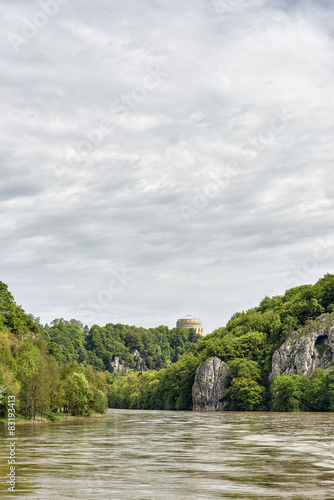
<point x="208" y="391"/>
<point x="139" y="362"/>
<point x="306" y="349"/>
<point x="117" y="366"/>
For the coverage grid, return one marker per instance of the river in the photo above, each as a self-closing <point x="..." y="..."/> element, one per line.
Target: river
<point x="153" y="455"/>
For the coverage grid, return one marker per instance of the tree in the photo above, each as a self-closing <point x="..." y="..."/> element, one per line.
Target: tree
<point x="289" y="393"/>
<point x="316" y="395"/>
<point x="245" y="394"/>
<point x="77" y="394"/>
<point x="330" y="389"/>
<point x="12" y="316"/>
<point x="27" y="366"/>
<point x="70" y="339"/>
<point x="9" y="386"/>
<point x="244" y="391"/>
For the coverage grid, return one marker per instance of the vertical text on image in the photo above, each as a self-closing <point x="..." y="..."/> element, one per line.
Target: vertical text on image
<point x="11" y="477"/>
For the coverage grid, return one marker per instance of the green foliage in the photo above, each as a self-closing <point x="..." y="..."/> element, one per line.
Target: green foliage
<point x="244" y="368"/>
<point x="246" y="343"/>
<point x="245" y="394"/>
<point x="289" y="393"/>
<point x="317" y="396"/>
<point x="302" y="393"/>
<point x="12" y="316"/>
<point x="99" y="389"/>
<point x="33" y="365"/>
<point x="66" y="365"/>
<point x="166" y="389"/>
<point x="156" y="347"/>
<point x="9" y="386"/>
<point x="66" y="340"/>
<point x="53" y="369"/>
<point x="77" y="394"/>
<point x="244" y="391"/>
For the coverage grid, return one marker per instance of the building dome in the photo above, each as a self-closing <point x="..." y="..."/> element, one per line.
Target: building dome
<point x="190" y="321"/>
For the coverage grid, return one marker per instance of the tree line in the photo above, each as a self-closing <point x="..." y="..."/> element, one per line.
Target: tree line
<point x="303" y="393"/>
<point x="246" y="344"/>
<point x="42" y="386"/>
<point x="98" y="346"/>
<point x="67" y="366"/>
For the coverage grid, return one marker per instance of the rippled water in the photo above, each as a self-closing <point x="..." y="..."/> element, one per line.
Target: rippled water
<point x="175" y="455"/>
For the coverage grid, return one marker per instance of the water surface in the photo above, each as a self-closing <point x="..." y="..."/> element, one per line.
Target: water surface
<point x="153" y="455"/>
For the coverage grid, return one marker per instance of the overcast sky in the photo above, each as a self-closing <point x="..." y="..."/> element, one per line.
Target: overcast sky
<point x="164" y="158"/>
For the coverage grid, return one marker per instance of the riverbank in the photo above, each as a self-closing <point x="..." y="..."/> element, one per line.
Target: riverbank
<point x="56" y="417"/>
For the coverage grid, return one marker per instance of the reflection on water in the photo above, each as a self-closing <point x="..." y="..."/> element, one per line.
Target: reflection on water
<point x="153" y="455"/>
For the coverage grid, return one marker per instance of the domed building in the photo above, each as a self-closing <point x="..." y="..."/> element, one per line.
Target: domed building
<point x="190" y="322"/>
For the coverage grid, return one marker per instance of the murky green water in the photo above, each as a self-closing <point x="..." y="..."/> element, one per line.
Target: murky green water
<point x="175" y="455"/>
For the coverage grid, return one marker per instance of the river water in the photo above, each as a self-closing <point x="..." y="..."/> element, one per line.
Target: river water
<point x="153" y="455"/>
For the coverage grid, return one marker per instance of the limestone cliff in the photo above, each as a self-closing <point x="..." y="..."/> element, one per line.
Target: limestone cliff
<point x="306" y="349"/>
<point x="138" y="364"/>
<point x="116" y="366"/>
<point x="208" y="391"/>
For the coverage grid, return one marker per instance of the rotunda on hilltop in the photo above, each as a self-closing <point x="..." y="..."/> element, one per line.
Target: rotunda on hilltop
<point x="190" y="321"/>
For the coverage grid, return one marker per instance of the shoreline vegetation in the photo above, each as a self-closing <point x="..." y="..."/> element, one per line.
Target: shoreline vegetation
<point x="83" y="371"/>
<point x="68" y="366"/>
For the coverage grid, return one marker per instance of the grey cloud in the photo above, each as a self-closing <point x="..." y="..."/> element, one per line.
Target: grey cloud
<point x="256" y="212"/>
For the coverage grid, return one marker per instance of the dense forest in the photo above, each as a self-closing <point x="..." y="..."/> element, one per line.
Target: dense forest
<point x="152" y="348"/>
<point x="29" y="371"/>
<point x="246" y="344"/>
<point x="66" y="366"/>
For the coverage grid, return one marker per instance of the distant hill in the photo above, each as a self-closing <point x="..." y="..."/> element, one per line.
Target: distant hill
<point x="136" y="348"/>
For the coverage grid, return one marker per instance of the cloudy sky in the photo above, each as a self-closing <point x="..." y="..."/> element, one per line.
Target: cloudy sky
<point x="164" y="158"/>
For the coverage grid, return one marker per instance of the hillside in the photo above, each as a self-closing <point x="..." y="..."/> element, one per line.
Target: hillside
<point x="67" y="366"/>
<point x="79" y="370"/>
<point x="246" y="344"/>
<point x="136" y="348"/>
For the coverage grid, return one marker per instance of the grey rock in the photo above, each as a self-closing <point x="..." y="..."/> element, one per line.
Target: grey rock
<point x="306" y="349"/>
<point x="117" y="366"/>
<point x="208" y="391"/>
<point x="136" y="354"/>
<point x="139" y="364"/>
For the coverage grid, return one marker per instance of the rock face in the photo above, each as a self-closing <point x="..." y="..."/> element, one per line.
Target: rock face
<point x="117" y="366"/>
<point x="139" y="362"/>
<point x="208" y="391"/>
<point x="307" y="349"/>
